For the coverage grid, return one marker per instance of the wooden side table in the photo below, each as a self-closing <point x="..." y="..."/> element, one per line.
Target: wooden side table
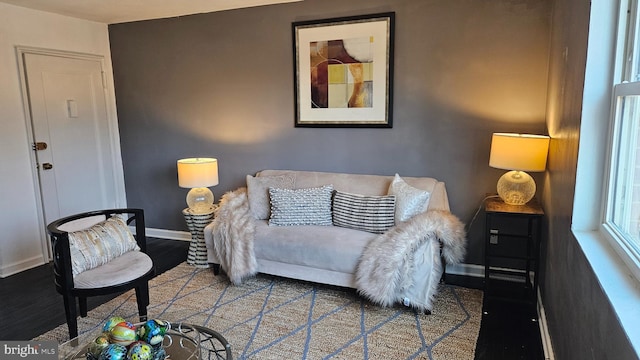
<point x="197" y="255"/>
<point x="512" y="234"/>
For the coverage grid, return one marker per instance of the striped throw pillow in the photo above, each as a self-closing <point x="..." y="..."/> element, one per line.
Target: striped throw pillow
<point x="309" y="206"/>
<point x="375" y="214"/>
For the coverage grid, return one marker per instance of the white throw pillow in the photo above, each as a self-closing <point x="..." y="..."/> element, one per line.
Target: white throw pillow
<point x="258" y="192"/>
<point x="410" y="201"/>
<point x="100" y="244"/>
<point x="374" y="214"/>
<point x="309" y="206"/>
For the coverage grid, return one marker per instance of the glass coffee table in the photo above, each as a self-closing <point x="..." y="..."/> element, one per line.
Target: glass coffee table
<point x="181" y="342"/>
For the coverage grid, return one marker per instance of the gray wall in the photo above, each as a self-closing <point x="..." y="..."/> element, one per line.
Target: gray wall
<point x="581" y="321"/>
<point x="221" y="85"/>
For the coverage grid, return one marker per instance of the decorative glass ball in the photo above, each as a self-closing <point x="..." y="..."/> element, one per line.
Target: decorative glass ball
<point x="98" y="344"/>
<point x="113" y="321"/>
<point x="113" y="352"/>
<point x="152" y="331"/>
<point x="123" y="333"/>
<point x="140" y="351"/>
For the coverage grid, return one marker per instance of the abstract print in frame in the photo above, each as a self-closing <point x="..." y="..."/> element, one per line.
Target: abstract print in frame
<point x="344" y="71"/>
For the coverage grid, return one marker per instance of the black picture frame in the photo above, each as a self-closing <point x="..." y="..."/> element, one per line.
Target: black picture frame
<point x="343" y="71"/>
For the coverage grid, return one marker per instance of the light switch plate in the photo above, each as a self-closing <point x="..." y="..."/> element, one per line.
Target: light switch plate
<point x="72" y="108"/>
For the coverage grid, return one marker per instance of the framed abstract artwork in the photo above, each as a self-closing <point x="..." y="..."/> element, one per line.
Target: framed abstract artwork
<point x="343" y="71"/>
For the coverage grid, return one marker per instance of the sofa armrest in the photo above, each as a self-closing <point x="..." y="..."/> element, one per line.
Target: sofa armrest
<point x="439" y="199"/>
<point x="208" y="240"/>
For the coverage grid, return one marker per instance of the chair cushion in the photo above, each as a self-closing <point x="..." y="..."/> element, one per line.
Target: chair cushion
<point x="100" y="244"/>
<point x="129" y="266"/>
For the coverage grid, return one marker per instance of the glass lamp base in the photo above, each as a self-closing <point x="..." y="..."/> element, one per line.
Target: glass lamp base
<point x="200" y="200"/>
<point x="516" y="187"/>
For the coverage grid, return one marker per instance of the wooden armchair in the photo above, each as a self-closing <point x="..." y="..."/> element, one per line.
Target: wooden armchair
<point x="94" y="253"/>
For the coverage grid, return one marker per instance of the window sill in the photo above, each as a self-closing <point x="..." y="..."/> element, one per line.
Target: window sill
<point x="618" y="283"/>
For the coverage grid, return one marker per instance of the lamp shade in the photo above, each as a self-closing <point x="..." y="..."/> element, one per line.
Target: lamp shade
<point x="521" y="152"/>
<point x="197" y="172"/>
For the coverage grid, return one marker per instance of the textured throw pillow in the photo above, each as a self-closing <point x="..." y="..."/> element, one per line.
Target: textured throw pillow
<point x="410" y="201"/>
<point x="374" y="214"/>
<point x="100" y="244"/>
<point x="310" y="206"/>
<point x="258" y="192"/>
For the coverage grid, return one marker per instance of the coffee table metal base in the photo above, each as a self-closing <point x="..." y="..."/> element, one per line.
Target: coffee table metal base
<point x="182" y="342"/>
<point x="212" y="344"/>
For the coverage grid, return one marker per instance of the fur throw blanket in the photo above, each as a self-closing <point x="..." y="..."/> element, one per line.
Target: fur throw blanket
<point x="233" y="232"/>
<point x="386" y="269"/>
<point x="385" y="273"/>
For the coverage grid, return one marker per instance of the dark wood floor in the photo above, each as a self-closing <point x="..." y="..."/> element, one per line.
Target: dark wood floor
<point x="30" y="306"/>
<point x="510" y="329"/>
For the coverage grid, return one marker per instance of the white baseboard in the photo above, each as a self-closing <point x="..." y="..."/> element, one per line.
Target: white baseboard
<point x="165" y="234"/>
<point x="16" y="267"/>
<point x="544" y="331"/>
<point x="466" y="270"/>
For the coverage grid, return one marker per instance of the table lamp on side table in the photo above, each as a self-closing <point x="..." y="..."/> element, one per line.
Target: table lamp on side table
<point x="198" y="174"/>
<point x="518" y="153"/>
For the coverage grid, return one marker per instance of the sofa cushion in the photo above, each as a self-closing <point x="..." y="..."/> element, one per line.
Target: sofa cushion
<point x="366" y="184"/>
<point x="258" y="192"/>
<point x="410" y="201"/>
<point x="323" y="247"/>
<point x="309" y="206"/>
<point x="374" y="214"/>
<point x="100" y="244"/>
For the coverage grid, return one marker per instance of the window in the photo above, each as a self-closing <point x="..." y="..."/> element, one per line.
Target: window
<point x="622" y="209"/>
<point x="606" y="170"/>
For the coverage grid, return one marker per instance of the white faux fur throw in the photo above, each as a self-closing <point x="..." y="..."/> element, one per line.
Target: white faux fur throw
<point x="233" y="233"/>
<point x="385" y="270"/>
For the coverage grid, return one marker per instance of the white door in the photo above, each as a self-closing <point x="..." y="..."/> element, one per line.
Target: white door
<point x="71" y="134"/>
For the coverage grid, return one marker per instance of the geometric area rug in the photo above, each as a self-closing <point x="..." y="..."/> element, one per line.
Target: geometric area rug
<point x="269" y="317"/>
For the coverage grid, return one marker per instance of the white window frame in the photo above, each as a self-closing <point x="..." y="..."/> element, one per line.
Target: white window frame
<point x="603" y="253"/>
<point x="622" y="73"/>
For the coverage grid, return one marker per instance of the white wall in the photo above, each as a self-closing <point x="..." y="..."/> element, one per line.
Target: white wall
<point x="21" y="234"/>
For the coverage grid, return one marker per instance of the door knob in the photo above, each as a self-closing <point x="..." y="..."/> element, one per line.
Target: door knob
<point x="40" y="146"/>
<point x="47" y="166"/>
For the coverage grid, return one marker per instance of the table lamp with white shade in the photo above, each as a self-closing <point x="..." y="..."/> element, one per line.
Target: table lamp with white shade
<point x="198" y="174"/>
<point x="518" y="153"/>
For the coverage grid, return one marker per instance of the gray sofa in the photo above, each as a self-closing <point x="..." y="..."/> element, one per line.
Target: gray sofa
<point x="333" y="254"/>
